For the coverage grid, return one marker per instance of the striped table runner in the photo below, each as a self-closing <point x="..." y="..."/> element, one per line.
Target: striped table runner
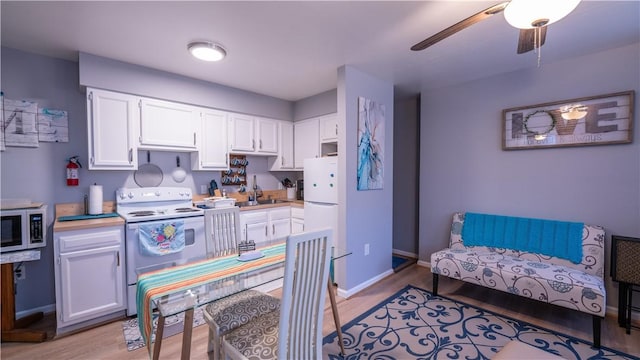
<point x="155" y="284"/>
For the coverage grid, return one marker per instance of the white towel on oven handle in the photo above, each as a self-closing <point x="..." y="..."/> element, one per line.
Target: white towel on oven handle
<point x="161" y="238"/>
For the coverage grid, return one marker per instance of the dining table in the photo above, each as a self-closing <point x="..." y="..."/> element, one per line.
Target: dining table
<point x="183" y="288"/>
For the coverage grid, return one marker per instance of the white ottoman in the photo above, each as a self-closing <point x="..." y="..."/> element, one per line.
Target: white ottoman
<point x="521" y="351"/>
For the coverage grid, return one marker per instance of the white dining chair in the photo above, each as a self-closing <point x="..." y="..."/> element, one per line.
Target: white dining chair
<point x="222" y="232"/>
<point x="295" y="331"/>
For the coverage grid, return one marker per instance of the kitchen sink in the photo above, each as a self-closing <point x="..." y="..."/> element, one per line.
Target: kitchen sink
<point x="260" y="202"/>
<point x="271" y="201"/>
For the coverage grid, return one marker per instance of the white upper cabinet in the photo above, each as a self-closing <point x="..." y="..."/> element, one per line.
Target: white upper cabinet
<point x="306" y="141"/>
<point x="111" y="123"/>
<point x="212" y="151"/>
<point x="284" y="160"/>
<point x="241" y="133"/>
<point x="267" y="139"/>
<point x="252" y="135"/>
<point x="166" y="125"/>
<point x="329" y="128"/>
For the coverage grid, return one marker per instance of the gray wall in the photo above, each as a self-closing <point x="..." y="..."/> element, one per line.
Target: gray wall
<point x="317" y="105"/>
<point x="39" y="173"/>
<point x="406" y="146"/>
<point x="463" y="167"/>
<point x="365" y="216"/>
<point x="115" y="75"/>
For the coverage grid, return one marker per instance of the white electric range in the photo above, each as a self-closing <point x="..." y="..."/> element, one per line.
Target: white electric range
<point x="159" y="206"/>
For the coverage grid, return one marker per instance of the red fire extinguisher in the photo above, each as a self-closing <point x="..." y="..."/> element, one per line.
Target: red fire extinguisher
<point x="72" y="171"/>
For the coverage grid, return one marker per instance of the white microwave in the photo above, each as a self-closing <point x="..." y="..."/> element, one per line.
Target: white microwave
<point x="23" y="229"/>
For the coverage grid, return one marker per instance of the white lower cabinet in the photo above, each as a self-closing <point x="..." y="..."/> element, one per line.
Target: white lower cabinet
<point x="297" y="220"/>
<point x="263" y="226"/>
<point x="89" y="274"/>
<point x="266" y="226"/>
<point x="280" y="222"/>
<point x="255" y="226"/>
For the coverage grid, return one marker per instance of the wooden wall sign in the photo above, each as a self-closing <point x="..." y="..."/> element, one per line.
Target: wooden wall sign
<point x="597" y="120"/>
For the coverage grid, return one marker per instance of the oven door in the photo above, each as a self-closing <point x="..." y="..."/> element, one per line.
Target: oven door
<point x="140" y="261"/>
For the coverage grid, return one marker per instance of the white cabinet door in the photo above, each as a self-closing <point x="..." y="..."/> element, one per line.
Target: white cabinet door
<point x="258" y="232"/>
<point x="267" y="136"/>
<point x="297" y="226"/>
<point x="263" y="226"/>
<point x="329" y="128"/>
<point x="284" y="160"/>
<point x="111" y="123"/>
<point x="241" y="133"/>
<point x="280" y="229"/>
<point x="279" y="223"/>
<point x="297" y="220"/>
<point x="306" y="142"/>
<point x="286" y="145"/>
<point x="253" y="135"/>
<point x="212" y="151"/>
<point x="89" y="274"/>
<point x="165" y="124"/>
<point x="255" y="226"/>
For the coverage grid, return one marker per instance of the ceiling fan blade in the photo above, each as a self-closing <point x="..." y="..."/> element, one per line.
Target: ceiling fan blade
<point x="526" y="41"/>
<point x="495" y="9"/>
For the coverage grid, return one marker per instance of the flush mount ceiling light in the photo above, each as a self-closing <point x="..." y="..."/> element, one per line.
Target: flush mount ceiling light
<point x="207" y="51"/>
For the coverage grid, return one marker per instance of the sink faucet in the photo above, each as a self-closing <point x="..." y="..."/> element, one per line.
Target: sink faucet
<point x="256" y="195"/>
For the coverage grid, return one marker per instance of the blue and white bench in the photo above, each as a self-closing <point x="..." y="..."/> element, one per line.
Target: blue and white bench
<point x="504" y="264"/>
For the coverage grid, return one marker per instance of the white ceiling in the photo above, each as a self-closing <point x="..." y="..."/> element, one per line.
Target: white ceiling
<point x="292" y="49"/>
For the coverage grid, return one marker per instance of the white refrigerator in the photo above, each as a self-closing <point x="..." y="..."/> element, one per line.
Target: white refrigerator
<point x="321" y="195"/>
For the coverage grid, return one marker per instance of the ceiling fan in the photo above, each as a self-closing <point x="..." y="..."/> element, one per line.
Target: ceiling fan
<point x="530" y="16"/>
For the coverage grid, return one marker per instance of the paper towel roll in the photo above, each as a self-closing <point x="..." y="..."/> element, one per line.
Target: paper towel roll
<point x="95" y="199"/>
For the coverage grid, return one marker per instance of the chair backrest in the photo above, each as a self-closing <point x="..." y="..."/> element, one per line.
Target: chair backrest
<point x="304" y="290"/>
<point x="222" y="230"/>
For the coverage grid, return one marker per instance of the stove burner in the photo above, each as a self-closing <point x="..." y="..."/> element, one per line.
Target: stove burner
<point x="142" y="213"/>
<point x="185" y="209"/>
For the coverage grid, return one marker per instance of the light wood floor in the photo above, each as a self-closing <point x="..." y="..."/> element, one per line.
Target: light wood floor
<point x="106" y="342"/>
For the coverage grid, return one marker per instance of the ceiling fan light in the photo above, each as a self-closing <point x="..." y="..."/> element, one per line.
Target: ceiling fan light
<point x="523" y="14"/>
<point x="207" y="51"/>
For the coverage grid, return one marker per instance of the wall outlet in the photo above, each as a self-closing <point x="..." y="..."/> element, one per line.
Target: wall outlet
<point x="366" y="249"/>
<point x="19" y="272"/>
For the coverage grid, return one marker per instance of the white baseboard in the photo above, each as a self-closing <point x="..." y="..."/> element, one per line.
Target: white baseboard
<point x="405" y="253"/>
<point x="424" y="263"/>
<point x="347" y="293"/>
<point x="45" y="309"/>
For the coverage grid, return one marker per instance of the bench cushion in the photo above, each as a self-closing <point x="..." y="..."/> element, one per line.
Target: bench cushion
<point x="592" y="248"/>
<point x="543" y="281"/>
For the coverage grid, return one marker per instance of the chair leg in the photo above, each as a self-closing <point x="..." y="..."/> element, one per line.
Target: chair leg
<point x="210" y="345"/>
<point x="596" y="331"/>
<point x="435" y="284"/>
<point x="217" y="345"/>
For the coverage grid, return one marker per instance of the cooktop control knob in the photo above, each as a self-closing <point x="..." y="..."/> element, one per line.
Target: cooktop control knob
<point x="130" y="195"/>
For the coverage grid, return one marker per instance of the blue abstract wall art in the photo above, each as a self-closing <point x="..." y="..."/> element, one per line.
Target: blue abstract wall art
<point x="371" y="119"/>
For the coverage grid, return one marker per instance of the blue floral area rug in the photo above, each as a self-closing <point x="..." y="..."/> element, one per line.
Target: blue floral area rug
<point x="172" y="325"/>
<point x="415" y="324"/>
